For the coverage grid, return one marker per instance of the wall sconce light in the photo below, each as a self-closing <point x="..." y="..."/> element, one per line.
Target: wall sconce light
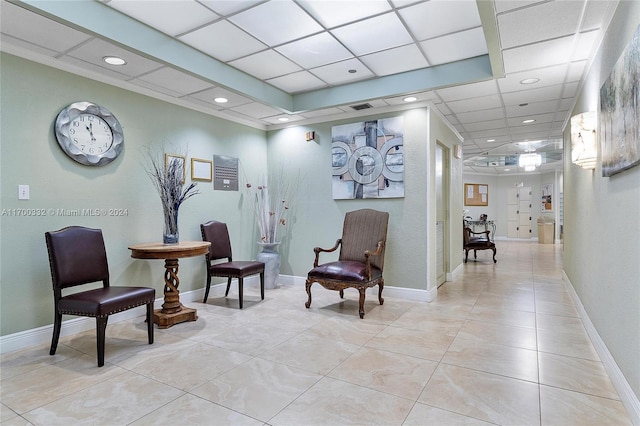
<point x="529" y="161"/>
<point x="584" y="152"/>
<point x="457" y="151"/>
<point x="310" y="136"/>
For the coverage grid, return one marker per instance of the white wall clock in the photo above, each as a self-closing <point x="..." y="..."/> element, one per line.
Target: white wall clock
<point x="89" y="134"/>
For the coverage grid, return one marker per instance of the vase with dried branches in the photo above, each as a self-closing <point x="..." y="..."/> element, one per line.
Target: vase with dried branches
<point x="167" y="174"/>
<point x="271" y="201"/>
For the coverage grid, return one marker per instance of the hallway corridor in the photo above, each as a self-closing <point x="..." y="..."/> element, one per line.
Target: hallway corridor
<point x="502" y="344"/>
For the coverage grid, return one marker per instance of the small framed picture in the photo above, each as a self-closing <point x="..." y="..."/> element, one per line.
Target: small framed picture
<point x="201" y="170"/>
<point x="170" y="158"/>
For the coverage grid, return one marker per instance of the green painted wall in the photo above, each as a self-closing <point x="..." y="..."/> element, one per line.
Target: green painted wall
<point x="317" y="219"/>
<point x="31" y="97"/>
<point x="602" y="221"/>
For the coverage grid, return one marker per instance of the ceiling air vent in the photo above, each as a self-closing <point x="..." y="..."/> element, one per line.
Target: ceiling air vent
<point x="361" y="106"/>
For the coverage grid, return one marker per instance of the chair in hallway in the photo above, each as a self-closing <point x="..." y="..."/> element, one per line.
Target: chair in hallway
<point x="77" y="256"/>
<point x="475" y="243"/>
<point x="361" y="259"/>
<point x="218" y="235"/>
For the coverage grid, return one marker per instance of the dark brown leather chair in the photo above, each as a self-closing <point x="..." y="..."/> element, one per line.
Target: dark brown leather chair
<point x="77" y="256"/>
<point x="218" y="235"/>
<point x="361" y="259"/>
<point x="475" y="243"/>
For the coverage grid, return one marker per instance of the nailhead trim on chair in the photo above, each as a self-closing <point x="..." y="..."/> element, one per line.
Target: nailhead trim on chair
<point x="91" y="314"/>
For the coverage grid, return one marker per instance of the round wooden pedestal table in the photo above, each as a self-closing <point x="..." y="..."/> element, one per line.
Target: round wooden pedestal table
<point x="172" y="312"/>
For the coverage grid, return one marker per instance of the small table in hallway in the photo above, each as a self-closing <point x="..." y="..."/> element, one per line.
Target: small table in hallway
<point x="172" y="312"/>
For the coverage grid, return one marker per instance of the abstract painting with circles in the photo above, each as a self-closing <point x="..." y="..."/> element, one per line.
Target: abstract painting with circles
<point x="368" y="159"/>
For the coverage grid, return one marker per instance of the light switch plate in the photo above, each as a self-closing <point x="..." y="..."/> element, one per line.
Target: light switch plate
<point x="23" y="192"/>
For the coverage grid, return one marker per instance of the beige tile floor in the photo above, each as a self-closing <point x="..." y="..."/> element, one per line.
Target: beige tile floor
<point x="503" y="344"/>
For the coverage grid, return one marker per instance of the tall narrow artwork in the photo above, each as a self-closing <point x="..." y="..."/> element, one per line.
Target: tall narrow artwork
<point x="368" y="159"/>
<point x="619" y="111"/>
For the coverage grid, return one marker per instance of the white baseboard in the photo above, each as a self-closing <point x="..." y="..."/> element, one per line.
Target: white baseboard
<point x="42" y="335"/>
<point x="625" y="392"/>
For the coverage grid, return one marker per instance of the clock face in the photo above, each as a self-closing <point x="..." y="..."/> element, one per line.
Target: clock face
<point x="89" y="134"/>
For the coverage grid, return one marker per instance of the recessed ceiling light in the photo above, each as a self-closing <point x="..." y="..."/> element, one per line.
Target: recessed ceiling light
<point x="352" y="71"/>
<point x="528" y="121"/>
<point x="523" y="105"/>
<point x="283" y="119"/>
<point x="529" y="81"/>
<point x="410" y="99"/>
<point x="221" y="100"/>
<point x="114" y="60"/>
<point x="491" y="140"/>
<point x="506" y="170"/>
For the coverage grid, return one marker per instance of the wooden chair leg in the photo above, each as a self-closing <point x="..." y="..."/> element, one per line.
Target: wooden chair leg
<point x="308" y="287"/>
<point x="262" y="285"/>
<point x="57" y="324"/>
<point x="226" y="293"/>
<point x="341" y="294"/>
<point x="494" y="256"/>
<point x="101" y="326"/>
<point x="150" y="322"/>
<point x="206" y="291"/>
<point x="380" y="287"/>
<point x="361" y="302"/>
<point x="240" y="289"/>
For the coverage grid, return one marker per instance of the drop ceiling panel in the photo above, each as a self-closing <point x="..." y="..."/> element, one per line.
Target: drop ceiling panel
<point x="570" y="90"/>
<point x="314" y="51"/>
<point x="175" y="81"/>
<point x="455" y="47"/>
<point x="226" y="7"/>
<point x="7" y="42"/>
<point x="265" y="65"/>
<point x="487" y="114"/>
<point x="422" y="96"/>
<point x="539" y="55"/>
<point x="540" y="119"/>
<point x="170" y="17"/>
<point x="96" y="49"/>
<point x="484" y="125"/>
<point x="506" y="5"/>
<point x="475" y="104"/>
<point x="531" y="109"/>
<point x="40" y="31"/>
<point x="439" y="17"/>
<point x="297" y="82"/>
<point x="548" y="77"/>
<point x="466" y="91"/>
<point x="321" y="112"/>
<point x="209" y="95"/>
<point x="99" y="70"/>
<point x="276" y="22"/>
<point x="575" y="70"/>
<point x="339" y="73"/>
<point x="256" y="110"/>
<point x="332" y="13"/>
<point x="243" y="44"/>
<point x="584" y="45"/>
<point x="554" y="19"/>
<point x="374" y="34"/>
<point x="394" y="61"/>
<point x="595" y="14"/>
<point x="540" y="94"/>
